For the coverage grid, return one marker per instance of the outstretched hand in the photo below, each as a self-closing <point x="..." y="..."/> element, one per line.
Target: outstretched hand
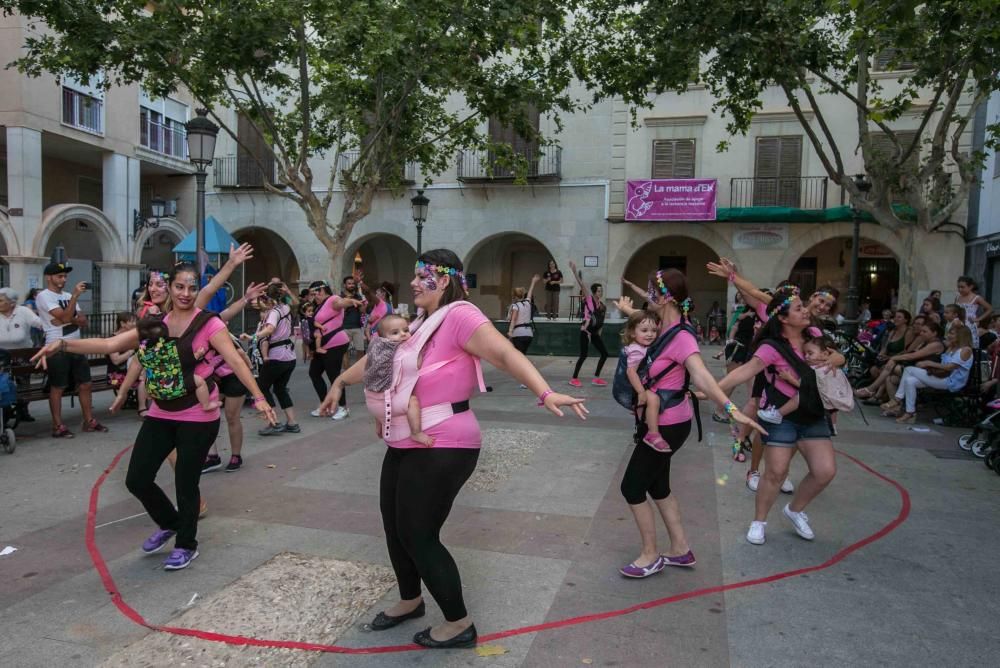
<point x="555" y="402"/>
<point x="624" y="304"/>
<point x="41" y="357"/>
<point x="241" y="254"/>
<point x="744" y="420"/>
<point x="254" y="290"/>
<point x="723" y="268"/>
<point x="265" y="411"/>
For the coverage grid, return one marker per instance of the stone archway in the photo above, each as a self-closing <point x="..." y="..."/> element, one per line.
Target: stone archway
<point x="498" y="264"/>
<point x="162" y="255"/>
<point x="642" y="234"/>
<point x="273" y="256"/>
<point x="11" y="244"/>
<point x="687" y="254"/>
<point x="384" y="258"/>
<point x="829" y="263"/>
<point x="107" y="241"/>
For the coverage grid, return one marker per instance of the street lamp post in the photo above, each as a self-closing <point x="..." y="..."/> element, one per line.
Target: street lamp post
<point x="201" y="135"/>
<point x="419" y="204"/>
<point x="853" y="298"/>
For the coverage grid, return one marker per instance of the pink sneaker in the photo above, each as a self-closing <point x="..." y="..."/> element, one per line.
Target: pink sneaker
<point x="599" y="382"/>
<point x="575" y="382"/>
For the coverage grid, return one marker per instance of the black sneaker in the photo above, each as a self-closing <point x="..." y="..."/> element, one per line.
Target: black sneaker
<point x="235" y="462"/>
<point x="293" y="428"/>
<point x="212" y="463"/>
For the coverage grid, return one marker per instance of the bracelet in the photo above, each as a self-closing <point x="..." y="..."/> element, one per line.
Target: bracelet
<point x="730" y="408"/>
<point x="543" y="396"/>
<point x="62" y="345"/>
<point x="259" y="399"/>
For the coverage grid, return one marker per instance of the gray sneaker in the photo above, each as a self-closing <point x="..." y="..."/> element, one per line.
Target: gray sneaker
<point x="271" y="430"/>
<point x="293" y="428"/>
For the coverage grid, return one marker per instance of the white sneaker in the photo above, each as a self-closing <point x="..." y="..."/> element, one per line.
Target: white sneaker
<point x="787" y="487"/>
<point x="523" y="386"/>
<point x="756" y="533"/>
<point x="800" y="521"/>
<point x="753" y="480"/>
<point x="770" y="414"/>
<point x="315" y="413"/>
<point x="341" y="413"/>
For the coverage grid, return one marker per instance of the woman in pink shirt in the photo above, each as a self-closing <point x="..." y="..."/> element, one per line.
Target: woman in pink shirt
<point x="382" y="307"/>
<point x="276" y="329"/>
<point x="646" y="482"/>
<point x="418" y="483"/>
<point x="332" y="341"/>
<point x="805" y="430"/>
<point x="177" y="424"/>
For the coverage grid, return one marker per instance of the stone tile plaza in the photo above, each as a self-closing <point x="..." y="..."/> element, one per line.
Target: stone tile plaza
<point x="539" y="335"/>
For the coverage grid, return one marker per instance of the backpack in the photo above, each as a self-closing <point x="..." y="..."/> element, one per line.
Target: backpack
<point x="281" y="342"/>
<point x="391" y="404"/>
<point x="622" y="389"/>
<point x="519" y="307"/>
<point x="810" y="402"/>
<point x="169" y="364"/>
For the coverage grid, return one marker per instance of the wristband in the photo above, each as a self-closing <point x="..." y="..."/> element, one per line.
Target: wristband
<point x="730" y="408"/>
<point x="732" y="277"/>
<point x="259" y="399"/>
<point x="543" y="396"/>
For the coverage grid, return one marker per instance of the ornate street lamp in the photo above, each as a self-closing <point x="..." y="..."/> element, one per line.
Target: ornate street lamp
<point x="157" y="209"/>
<point x="201" y="136"/>
<point x="419" y="205"/>
<point x="863" y="185"/>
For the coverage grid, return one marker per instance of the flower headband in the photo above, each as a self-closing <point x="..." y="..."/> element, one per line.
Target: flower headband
<point x="685" y="305"/>
<point x="785" y="303"/>
<point x="157" y="276"/>
<point x="790" y="287"/>
<point x="444" y="270"/>
<point x="825" y="295"/>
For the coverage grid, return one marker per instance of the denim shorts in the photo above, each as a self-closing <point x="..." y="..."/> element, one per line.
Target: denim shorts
<point x="788" y="433"/>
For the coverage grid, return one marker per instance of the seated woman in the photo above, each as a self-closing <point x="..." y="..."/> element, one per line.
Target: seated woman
<point x="893" y="343"/>
<point x="951" y="373"/>
<point x="925" y="345"/>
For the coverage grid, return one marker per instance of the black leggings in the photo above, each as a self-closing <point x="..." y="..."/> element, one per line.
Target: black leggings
<point x="274" y="374"/>
<point x="648" y="470"/>
<point x="417" y="488"/>
<point x="329" y="363"/>
<point x="585" y="342"/>
<point x="156" y="438"/>
<point x="522" y="343"/>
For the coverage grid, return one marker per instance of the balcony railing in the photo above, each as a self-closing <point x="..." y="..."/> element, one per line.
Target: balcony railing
<point x="348" y="158"/>
<point x="82" y="111"/>
<point x="169" y="140"/>
<point x="242" y="172"/>
<point x="800" y="192"/>
<point x="543" y="163"/>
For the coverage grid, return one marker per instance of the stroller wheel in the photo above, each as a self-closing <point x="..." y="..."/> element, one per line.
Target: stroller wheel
<point x="980" y="448"/>
<point x="9" y="441"/>
<point x="965" y="441"/>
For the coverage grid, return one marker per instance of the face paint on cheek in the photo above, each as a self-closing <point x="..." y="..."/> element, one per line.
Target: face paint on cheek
<point x="429" y="283"/>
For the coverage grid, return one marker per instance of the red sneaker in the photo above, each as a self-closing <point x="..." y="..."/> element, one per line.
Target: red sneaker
<point x="575" y="382"/>
<point x="94" y="425"/>
<point x="599" y="382"/>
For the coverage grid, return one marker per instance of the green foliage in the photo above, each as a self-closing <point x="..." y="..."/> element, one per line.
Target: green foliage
<point x="392" y="81"/>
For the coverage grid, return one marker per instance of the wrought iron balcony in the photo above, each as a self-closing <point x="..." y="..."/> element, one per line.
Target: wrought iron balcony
<point x="167" y="139"/>
<point x="544" y="163"/>
<point x="243" y="172"/>
<point x="348" y="158"/>
<point x="799" y="192"/>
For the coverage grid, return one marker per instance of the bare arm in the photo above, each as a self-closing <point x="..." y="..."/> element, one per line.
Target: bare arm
<point x="68" y="315"/>
<point x="237" y="256"/>
<point x="703" y="380"/>
<point x="932" y="348"/>
<point x="741" y="374"/>
<point x="635" y="288"/>
<point x="115" y="344"/>
<point x="633" y="378"/>
<point x="576" y="277"/>
<point x="987" y="309"/>
<point x="725" y="268"/>
<point x="223" y="344"/>
<point x="352" y="376"/>
<point x="120" y="358"/>
<point x="534" y="282"/>
<point x="624" y="305"/>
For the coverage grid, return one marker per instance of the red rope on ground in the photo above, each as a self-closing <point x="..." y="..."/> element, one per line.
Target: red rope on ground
<point x="135" y="616"/>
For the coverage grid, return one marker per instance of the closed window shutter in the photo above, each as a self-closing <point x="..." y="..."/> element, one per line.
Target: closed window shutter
<point x="673" y="159"/>
<point x="885" y="151"/>
<point x="778" y="171"/>
<point x="248" y="170"/>
<point x="523" y="146"/>
<point x="884" y="58"/>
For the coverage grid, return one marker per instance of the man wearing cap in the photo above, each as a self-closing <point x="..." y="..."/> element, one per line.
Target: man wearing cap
<point x="63" y="319"/>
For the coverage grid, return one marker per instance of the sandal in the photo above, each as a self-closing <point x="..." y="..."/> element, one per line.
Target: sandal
<point x="864" y="393"/>
<point x="60" y="431"/>
<point x="906" y="418"/>
<point x="142" y="413"/>
<point x="656" y="442"/>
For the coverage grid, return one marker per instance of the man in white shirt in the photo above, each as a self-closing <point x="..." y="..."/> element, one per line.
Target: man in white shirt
<point x="63" y="319"/>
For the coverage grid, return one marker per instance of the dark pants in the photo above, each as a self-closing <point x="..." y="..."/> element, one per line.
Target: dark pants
<point x="275" y="375"/>
<point x="329" y="363"/>
<point x="585" y="342"/>
<point x="648" y="470"/>
<point x="417" y="489"/>
<point x="522" y="343"/>
<point x="156" y="439"/>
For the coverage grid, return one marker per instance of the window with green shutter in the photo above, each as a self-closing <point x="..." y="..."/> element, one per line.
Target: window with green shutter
<point x="778" y="171"/>
<point x="673" y="159"/>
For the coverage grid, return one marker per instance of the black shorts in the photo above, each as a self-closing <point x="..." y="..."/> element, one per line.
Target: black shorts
<point x="68" y="368"/>
<point x="740" y="353"/>
<point x="230" y="386"/>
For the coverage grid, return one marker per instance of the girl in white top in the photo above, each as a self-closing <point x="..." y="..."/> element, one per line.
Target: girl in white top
<point x="977" y="309"/>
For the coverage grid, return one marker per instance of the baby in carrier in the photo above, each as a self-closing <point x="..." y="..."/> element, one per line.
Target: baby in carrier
<point x="152" y="333"/>
<point x="392" y="330"/>
<point x="834" y="388"/>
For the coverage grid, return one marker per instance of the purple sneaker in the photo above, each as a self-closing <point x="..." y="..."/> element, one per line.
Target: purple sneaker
<point x="684" y="560"/>
<point x="179" y="558"/>
<point x="633" y="571"/>
<point x="156" y="542"/>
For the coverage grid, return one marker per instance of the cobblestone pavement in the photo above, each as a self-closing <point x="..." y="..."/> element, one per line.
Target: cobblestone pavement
<point x="539" y="534"/>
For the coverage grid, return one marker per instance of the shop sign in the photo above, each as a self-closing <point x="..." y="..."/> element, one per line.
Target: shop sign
<point x="993" y="248"/>
<point x="873" y="249"/>
<point x="760" y="236"/>
<point x="671" y="199"/>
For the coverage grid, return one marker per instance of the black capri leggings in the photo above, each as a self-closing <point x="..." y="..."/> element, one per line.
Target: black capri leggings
<point x="275" y="375"/>
<point x="329" y="363"/>
<point x="522" y="343"/>
<point x="156" y="438"/>
<point x="585" y="342"/>
<point x="648" y="471"/>
<point x="416" y="491"/>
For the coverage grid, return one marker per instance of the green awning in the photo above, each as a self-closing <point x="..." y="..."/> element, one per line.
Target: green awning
<point x="784" y="214"/>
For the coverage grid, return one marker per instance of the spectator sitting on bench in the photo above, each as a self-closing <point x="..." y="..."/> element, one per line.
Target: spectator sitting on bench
<point x="951" y="373"/>
<point x="16" y="324"/>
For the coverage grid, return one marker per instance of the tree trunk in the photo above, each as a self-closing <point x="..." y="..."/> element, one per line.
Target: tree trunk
<point x="907" y="284"/>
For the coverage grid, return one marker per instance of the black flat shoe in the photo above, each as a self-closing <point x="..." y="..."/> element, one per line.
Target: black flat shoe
<point x="383" y="621"/>
<point x="466" y="638"/>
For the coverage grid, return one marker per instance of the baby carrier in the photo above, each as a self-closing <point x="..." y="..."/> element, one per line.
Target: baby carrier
<point x="286" y="342"/>
<point x="810" y="402"/>
<point x="525" y="327"/>
<point x="169" y="364"/>
<point x="391" y="404"/>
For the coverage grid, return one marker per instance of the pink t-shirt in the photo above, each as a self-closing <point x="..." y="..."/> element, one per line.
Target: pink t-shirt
<point x="634" y="354"/>
<point x="328" y="319"/>
<point x="280" y="319"/>
<point x="771" y="357"/>
<point x="195" y="413"/>
<point x="681" y="347"/>
<point x="380" y="311"/>
<point x="451" y="383"/>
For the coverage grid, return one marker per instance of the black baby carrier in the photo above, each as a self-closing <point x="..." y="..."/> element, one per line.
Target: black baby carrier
<point x="169" y="364"/>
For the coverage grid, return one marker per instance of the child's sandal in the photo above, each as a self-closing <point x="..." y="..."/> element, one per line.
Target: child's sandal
<point x="656" y="442"/>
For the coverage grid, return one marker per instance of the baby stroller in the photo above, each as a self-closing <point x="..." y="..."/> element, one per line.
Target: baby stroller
<point x="8" y="404"/>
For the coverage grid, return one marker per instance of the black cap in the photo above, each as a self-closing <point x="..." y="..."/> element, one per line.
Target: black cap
<point x="53" y="268"/>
